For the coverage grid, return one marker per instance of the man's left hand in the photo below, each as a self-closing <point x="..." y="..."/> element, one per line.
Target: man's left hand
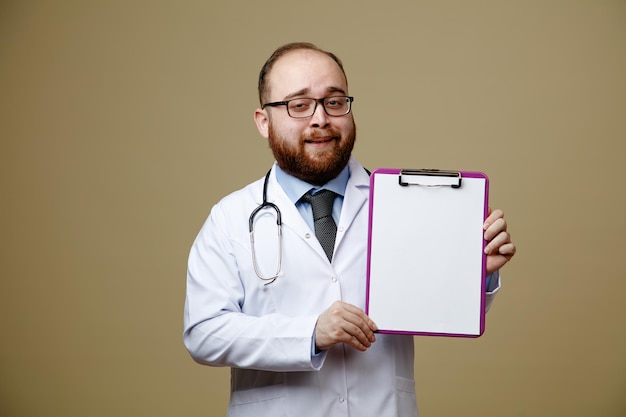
<point x="499" y="248"/>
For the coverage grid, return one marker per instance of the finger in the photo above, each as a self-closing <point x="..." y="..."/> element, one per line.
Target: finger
<point x="356" y="338"/>
<point x="344" y="331"/>
<point x="498" y="226"/>
<point x="344" y="323"/>
<point x="364" y="318"/>
<point x="360" y="325"/>
<point x="507" y="249"/>
<point x="492" y="217"/>
<point x="360" y="316"/>
<point x="494" y="244"/>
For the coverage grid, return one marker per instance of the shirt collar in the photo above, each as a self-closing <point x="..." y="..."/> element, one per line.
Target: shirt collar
<point x="296" y="188"/>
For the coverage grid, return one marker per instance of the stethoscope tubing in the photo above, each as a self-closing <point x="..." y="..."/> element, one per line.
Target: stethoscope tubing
<point x="279" y="223"/>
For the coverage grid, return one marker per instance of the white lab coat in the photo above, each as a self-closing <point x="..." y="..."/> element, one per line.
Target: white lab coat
<point x="264" y="332"/>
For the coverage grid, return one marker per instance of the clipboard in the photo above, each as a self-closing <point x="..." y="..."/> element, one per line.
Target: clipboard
<point x="426" y="263"/>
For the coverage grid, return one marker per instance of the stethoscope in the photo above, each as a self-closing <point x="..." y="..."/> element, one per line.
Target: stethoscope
<point x="266" y="204"/>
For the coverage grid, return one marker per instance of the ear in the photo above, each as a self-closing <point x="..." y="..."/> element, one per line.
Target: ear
<point x="262" y="120"/>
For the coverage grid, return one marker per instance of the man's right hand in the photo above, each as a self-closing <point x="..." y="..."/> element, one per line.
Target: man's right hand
<point x="344" y="323"/>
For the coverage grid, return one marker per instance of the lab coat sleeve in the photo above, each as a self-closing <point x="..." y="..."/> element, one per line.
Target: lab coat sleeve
<point x="492" y="290"/>
<point x="217" y="330"/>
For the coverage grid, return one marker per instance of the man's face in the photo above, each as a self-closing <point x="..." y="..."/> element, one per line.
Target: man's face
<point x="317" y="148"/>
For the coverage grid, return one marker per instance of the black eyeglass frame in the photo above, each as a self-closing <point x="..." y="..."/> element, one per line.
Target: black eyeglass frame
<point x="317" y="101"/>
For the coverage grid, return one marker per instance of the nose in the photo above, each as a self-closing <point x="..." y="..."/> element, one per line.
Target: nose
<point x="319" y="118"/>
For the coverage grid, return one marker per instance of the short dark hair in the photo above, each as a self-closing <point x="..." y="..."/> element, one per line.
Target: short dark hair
<point x="269" y="64"/>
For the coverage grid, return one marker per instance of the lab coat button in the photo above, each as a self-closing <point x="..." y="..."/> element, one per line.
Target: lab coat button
<point x="308" y="236"/>
<point x="334" y="279"/>
<point x="341" y="399"/>
<point x="340" y="229"/>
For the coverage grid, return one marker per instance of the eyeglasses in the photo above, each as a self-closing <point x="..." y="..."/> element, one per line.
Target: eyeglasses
<point x="300" y="108"/>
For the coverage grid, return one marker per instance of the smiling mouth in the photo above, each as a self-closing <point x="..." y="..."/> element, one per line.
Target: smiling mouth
<point x="319" y="140"/>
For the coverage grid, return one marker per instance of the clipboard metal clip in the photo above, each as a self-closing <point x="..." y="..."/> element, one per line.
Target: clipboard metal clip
<point x="430" y="178"/>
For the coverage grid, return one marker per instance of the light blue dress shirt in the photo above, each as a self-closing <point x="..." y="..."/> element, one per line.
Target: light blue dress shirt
<point x="296" y="188"/>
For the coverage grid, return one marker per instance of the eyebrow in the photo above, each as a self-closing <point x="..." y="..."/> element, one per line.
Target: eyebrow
<point x="305" y="91"/>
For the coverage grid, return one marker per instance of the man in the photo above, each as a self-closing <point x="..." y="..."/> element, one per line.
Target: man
<point x="284" y="314"/>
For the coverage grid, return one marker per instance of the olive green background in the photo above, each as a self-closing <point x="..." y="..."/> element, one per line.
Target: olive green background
<point x="123" y="122"/>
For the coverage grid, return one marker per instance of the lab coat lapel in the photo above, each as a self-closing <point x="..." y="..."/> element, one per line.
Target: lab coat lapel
<point x="291" y="217"/>
<point x="357" y="193"/>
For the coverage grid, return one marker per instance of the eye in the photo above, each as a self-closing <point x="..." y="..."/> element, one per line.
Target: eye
<point x="336" y="102"/>
<point x="300" y="105"/>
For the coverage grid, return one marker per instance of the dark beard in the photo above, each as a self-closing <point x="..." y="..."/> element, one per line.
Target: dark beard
<point x="315" y="169"/>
